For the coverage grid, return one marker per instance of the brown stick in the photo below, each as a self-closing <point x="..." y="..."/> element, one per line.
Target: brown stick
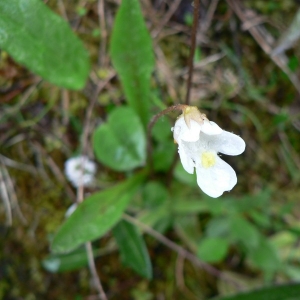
<point x="89" y="251"/>
<point x="192" y="53"/>
<point x="265" y="40"/>
<point x="180" y="250"/>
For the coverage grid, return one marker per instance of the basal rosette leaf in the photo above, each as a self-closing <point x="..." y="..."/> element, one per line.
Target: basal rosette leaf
<point x="96" y="215"/>
<point x="133" y="249"/>
<point x="132" y="56"/>
<point x="120" y="143"/>
<point x="43" y="42"/>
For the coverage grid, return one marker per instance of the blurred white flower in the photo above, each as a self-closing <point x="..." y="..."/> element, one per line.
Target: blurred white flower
<point x="80" y="171"/>
<point x="198" y="147"/>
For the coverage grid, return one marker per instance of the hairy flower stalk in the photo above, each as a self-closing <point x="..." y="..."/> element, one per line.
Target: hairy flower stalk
<point x="199" y="142"/>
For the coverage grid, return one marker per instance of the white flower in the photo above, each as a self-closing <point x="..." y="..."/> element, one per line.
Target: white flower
<point x="184" y="133"/>
<point x="194" y="122"/>
<point x="198" y="147"/>
<point x="80" y="171"/>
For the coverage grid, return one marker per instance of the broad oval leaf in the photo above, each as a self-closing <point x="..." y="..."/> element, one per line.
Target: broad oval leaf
<point x="212" y="249"/>
<point x="243" y="231"/>
<point x="265" y="256"/>
<point x="121" y="143"/>
<point x="154" y="194"/>
<point x="95" y="215"/>
<point x="283" y="292"/>
<point x="132" y="56"/>
<point x="133" y="250"/>
<point x="42" y="41"/>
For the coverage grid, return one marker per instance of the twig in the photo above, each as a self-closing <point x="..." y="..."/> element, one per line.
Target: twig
<point x="180" y="250"/>
<point x="179" y="275"/>
<point x="62" y="10"/>
<point x="13" y="195"/>
<point x="166" y="18"/>
<point x="204" y="62"/>
<point x="21" y="102"/>
<point x="56" y="171"/>
<point x="101" y="14"/>
<point x="92" y="267"/>
<point x="192" y="52"/>
<point x="265" y="41"/>
<point x="89" y="251"/>
<point x="5" y="199"/>
<point x="208" y="17"/>
<point x="20" y="166"/>
<point x="65" y="106"/>
<point x="166" y="72"/>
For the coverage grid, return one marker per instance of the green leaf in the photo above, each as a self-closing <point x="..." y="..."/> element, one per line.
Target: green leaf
<point x="183" y="176"/>
<point x="187" y="228"/>
<point x="154" y="194"/>
<point x="132" y="56"/>
<point x="161" y="130"/>
<point x="243" y="231"/>
<point x="283" y="292"/>
<point x="264" y="256"/>
<point x="190" y="206"/>
<point x="158" y="218"/>
<point x="163" y="155"/>
<point x="133" y="250"/>
<point x="292" y="271"/>
<point x="95" y="215"/>
<point x="42" y="41"/>
<point x="218" y="227"/>
<point x="66" y="262"/>
<point x="212" y="249"/>
<point x="121" y="143"/>
<point x="77" y="259"/>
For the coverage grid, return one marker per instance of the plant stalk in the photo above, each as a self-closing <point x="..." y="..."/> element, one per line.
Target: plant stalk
<point x="192" y="52"/>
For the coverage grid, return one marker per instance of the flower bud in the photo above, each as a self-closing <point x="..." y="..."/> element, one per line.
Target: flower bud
<point x="193" y="113"/>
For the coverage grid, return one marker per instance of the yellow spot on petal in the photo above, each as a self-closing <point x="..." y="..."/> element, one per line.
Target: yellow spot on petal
<point x="208" y="159"/>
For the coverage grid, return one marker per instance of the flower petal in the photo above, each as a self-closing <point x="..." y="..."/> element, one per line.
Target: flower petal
<point x="177" y="131"/>
<point x="227" y="143"/>
<point x="214" y="181"/>
<point x="192" y="133"/>
<point x="211" y="128"/>
<point x="183" y="132"/>
<point x="186" y="161"/>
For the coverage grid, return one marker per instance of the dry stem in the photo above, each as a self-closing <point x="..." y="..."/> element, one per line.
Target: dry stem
<point x="180" y="250"/>
<point x="89" y="251"/>
<point x="192" y="53"/>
